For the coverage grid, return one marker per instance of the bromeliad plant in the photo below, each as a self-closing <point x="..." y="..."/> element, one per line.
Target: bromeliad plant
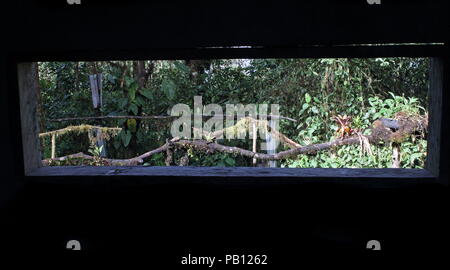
<point x="344" y="129"/>
<point x="97" y="159"/>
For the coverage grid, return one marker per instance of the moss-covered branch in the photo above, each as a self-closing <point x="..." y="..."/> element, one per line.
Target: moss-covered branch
<point x="106" y="131"/>
<point x="408" y="125"/>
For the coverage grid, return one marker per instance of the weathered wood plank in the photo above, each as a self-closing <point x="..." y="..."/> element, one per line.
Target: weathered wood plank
<point x="54" y="145"/>
<point x="435" y="115"/>
<point x="94" y="90"/>
<point x="231" y="172"/>
<point x="193" y="24"/>
<point x="28" y="91"/>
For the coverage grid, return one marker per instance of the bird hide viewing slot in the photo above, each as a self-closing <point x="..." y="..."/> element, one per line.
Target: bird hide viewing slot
<point x="379" y="130"/>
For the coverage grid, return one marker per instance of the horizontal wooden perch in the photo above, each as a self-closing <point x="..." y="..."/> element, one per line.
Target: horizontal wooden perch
<point x="80" y="128"/>
<point x="149" y="117"/>
<point x="379" y="133"/>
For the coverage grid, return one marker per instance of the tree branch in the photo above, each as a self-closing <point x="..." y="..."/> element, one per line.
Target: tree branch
<point x="80" y="128"/>
<point x="379" y="133"/>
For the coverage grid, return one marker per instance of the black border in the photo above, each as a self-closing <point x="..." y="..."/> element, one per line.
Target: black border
<point x="351" y="51"/>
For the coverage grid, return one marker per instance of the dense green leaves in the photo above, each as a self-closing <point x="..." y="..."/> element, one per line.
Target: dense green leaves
<point x="168" y="88"/>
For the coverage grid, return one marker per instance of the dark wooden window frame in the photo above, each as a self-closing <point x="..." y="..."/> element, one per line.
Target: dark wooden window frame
<point x="32" y="168"/>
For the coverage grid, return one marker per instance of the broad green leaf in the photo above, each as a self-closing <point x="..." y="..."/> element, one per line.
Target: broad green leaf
<point x="376" y="116"/>
<point x="133" y="108"/>
<point x="128" y="81"/>
<point x="131" y="94"/>
<point x="123" y="103"/>
<point x="146" y="93"/>
<point x="168" y="88"/>
<point x="139" y="101"/>
<point x="126" y="138"/>
<point x="307" y="98"/>
<point x="132" y="91"/>
<point x="182" y="67"/>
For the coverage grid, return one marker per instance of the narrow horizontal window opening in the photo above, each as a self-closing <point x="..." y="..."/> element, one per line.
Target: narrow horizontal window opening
<point x="311" y="118"/>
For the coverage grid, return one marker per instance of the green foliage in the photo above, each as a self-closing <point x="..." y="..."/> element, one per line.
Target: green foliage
<point x="96" y="151"/>
<point x="413" y="151"/>
<point x="216" y="159"/>
<point x="312" y="91"/>
<point x="97" y="159"/>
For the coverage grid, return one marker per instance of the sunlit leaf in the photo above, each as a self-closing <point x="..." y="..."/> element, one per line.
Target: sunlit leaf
<point x="307" y="98"/>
